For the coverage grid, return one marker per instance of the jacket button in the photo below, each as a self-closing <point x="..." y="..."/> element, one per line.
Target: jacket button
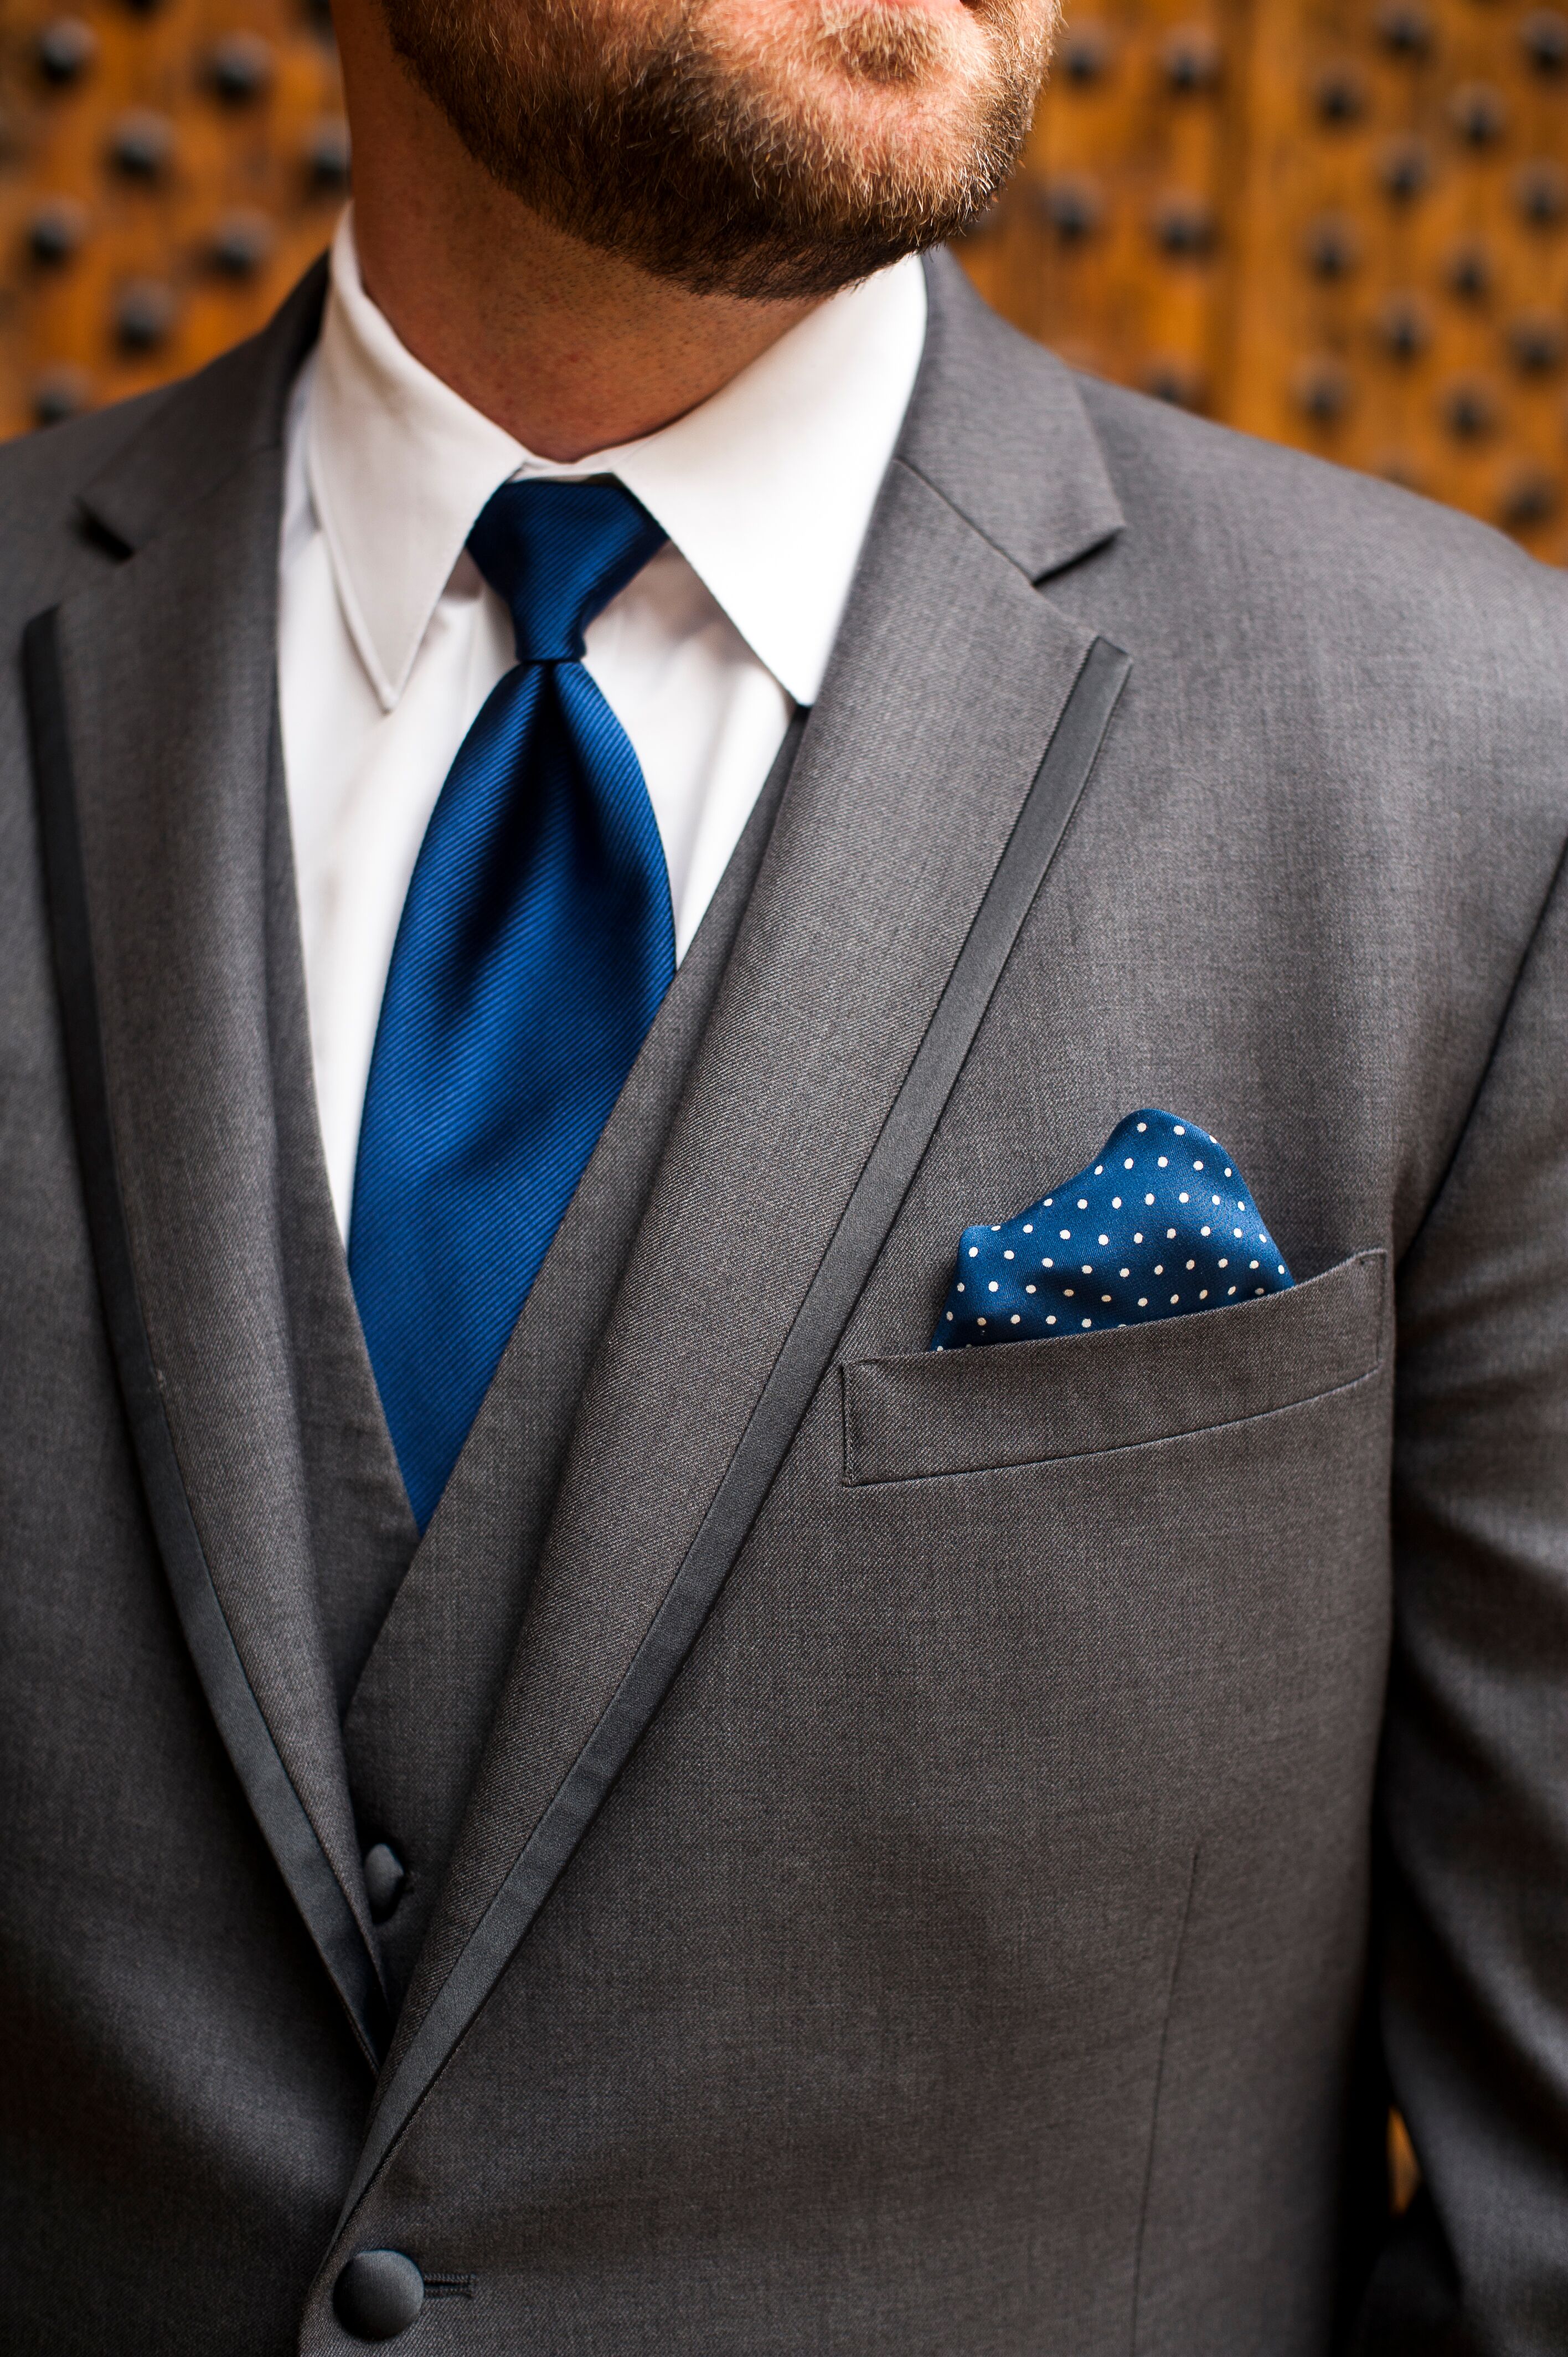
<point x="384" y="1877"/>
<point x="378" y="2295"/>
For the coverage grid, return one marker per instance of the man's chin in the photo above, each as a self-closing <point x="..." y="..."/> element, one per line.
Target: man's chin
<point x="800" y="144"/>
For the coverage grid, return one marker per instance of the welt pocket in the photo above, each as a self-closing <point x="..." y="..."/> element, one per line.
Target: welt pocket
<point x="1026" y="1403"/>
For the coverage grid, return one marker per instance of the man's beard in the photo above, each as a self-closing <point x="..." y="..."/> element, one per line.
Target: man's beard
<point x="784" y="161"/>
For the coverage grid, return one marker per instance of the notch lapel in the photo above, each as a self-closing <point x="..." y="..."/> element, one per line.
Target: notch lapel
<point x="152" y="702"/>
<point x="958" y="723"/>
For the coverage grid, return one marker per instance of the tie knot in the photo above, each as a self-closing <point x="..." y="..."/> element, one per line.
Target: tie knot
<point x="557" y="553"/>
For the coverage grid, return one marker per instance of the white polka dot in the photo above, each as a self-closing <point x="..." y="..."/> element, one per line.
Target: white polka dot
<point x="1181" y="1129"/>
<point x="949" y="1317"/>
<point x="1197" y="1166"/>
<point x="1142" y="1127"/>
<point x="1139" y="1237"/>
<point x="1235" y="1231"/>
<point x="974" y="1252"/>
<point x="1214" y="1198"/>
<point x="1143" y="1300"/>
<point x="1028" y="1231"/>
<point x="1105" y="1296"/>
<point x="1006" y="1255"/>
<point x="1128" y="1164"/>
<point x="1047" y="1264"/>
<point x="1228" y="1172"/>
<point x="1230" y="1291"/>
<point x="1202" y="1297"/>
<point x="1049" y="1201"/>
<point x="980" y="1321"/>
<point x="1164" y="1162"/>
<point x="1031" y="1288"/>
<point x="1257" y="1288"/>
<point x="991" y="1288"/>
<point x="1184" y="1197"/>
<point x="1014" y="1317"/>
<point x="1251" y="1263"/>
<point x="1088" y="1268"/>
<point x="1205" y="1232"/>
<point x="1224" y="1263"/>
<point x="1124" y="1272"/>
<point x="1089" y="1321"/>
<point x="1116" y="1202"/>
<point x="1067" y="1234"/>
<point x="1148" y="1198"/>
<point x="1050" y="1322"/>
<point x="1176" y="1297"/>
<point x="1105" y="1239"/>
<point x="1170" y="1233"/>
<point x="1159" y="1268"/>
<point x="1067" y="1292"/>
<point x="1192" y="1264"/>
<point x="1099" y="1169"/>
<point x="1083" y="1203"/>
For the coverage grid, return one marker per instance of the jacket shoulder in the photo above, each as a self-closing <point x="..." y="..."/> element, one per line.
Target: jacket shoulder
<point x="1342" y="550"/>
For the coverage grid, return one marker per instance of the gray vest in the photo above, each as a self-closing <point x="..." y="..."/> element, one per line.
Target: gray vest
<point x="419" y="1631"/>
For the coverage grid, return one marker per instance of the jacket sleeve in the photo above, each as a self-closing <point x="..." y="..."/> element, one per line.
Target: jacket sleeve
<point x="1473" y="1794"/>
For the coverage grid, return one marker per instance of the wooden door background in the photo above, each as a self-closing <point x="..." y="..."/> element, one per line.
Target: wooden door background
<point x="1343" y="223"/>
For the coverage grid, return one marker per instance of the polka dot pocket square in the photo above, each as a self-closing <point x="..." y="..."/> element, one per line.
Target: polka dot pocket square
<point x="1159" y="1225"/>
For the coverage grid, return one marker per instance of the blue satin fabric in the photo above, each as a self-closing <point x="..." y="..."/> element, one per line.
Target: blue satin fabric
<point x="1158" y="1226"/>
<point x="535" y="944"/>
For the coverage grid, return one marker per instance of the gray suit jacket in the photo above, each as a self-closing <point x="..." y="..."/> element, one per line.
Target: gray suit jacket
<point x="905" y="1853"/>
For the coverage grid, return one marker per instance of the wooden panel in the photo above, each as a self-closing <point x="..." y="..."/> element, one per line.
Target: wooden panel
<point x="1340" y="222"/>
<point x="168" y="172"/>
<point x="1404" y="259"/>
<point x="1115" y="241"/>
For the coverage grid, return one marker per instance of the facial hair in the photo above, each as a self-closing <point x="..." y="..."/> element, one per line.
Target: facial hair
<point x="783" y="162"/>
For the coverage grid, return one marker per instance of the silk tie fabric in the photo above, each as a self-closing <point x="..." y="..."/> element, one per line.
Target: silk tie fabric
<point x="535" y="944"/>
<point x="1159" y="1225"/>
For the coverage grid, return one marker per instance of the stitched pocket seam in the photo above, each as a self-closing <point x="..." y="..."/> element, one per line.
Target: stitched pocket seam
<point x="1115" y="1447"/>
<point x="859" y="1441"/>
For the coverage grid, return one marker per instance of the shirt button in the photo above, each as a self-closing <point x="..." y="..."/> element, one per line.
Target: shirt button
<point x="378" y="2295"/>
<point x="384" y="1878"/>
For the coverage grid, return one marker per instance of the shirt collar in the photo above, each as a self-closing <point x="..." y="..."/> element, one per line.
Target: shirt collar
<point x="767" y="489"/>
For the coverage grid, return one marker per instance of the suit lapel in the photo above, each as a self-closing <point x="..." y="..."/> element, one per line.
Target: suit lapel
<point x="903" y="859"/>
<point x="153" y="699"/>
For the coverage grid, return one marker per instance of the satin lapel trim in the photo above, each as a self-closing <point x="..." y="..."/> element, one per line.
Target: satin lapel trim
<point x="899" y="872"/>
<point x="153" y="703"/>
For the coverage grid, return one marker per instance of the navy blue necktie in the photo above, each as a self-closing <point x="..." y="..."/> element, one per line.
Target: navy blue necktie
<point x="535" y="944"/>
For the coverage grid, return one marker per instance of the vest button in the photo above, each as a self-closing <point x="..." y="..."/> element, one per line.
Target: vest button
<point x="384" y="1877"/>
<point x="378" y="2295"/>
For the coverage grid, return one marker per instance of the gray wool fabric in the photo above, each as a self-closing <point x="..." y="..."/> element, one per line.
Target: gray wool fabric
<point x="1107" y="1768"/>
<point x="423" y="1700"/>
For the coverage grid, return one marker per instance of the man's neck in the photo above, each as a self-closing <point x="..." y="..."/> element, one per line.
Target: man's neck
<point x="568" y="349"/>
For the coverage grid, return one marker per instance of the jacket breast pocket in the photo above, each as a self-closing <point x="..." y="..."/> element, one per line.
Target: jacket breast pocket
<point x="947" y="1412"/>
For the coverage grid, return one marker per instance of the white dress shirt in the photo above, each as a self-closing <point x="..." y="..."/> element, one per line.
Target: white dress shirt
<point x="389" y="642"/>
